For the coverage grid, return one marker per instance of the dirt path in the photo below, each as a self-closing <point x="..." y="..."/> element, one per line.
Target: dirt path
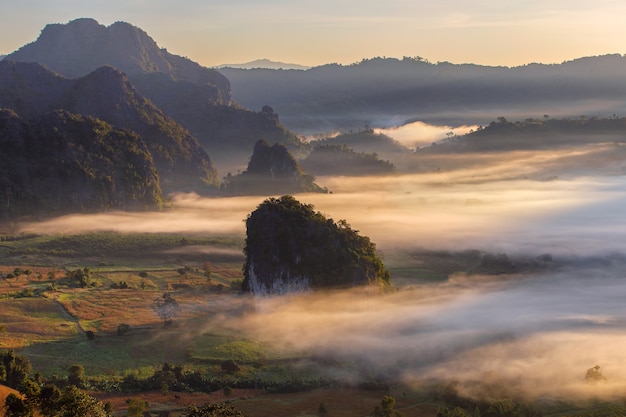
<point x="69" y="317"/>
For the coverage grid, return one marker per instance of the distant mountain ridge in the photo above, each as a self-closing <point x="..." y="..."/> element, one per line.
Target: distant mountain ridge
<point x="376" y="90"/>
<point x="267" y="64"/>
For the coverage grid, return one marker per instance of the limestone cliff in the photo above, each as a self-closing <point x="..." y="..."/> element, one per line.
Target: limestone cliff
<point x="292" y="248"/>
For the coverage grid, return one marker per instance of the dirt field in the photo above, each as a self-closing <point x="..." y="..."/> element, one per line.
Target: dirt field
<point x="339" y="402"/>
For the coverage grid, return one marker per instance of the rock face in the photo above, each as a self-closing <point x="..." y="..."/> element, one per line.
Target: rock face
<point x="292" y="248"/>
<point x="271" y="170"/>
<point x="31" y="90"/>
<point x="63" y="162"/>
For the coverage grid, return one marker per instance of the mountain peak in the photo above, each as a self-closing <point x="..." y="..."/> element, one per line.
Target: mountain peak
<point x="265" y="63"/>
<point x="80" y="46"/>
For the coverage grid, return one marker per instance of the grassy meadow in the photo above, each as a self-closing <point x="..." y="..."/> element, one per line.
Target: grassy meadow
<point x="112" y="328"/>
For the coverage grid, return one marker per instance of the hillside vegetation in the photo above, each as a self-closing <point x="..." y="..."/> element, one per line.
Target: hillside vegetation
<point x="62" y="162"/>
<point x="290" y="247"/>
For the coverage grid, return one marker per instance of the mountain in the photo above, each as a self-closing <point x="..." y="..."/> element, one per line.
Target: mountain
<point x="534" y="134"/>
<point x="271" y="170"/>
<point x="285" y="241"/>
<point x="83" y="45"/>
<point x="196" y="97"/>
<point x="63" y="162"/>
<point x="341" y="160"/>
<point x="265" y="63"/>
<point x="30" y="90"/>
<point x="379" y="91"/>
<point x="368" y="141"/>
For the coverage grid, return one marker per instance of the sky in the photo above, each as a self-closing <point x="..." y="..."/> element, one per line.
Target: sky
<point x="487" y="32"/>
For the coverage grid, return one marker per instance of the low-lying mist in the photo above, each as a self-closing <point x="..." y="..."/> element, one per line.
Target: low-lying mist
<point x="416" y="134"/>
<point x="537" y="333"/>
<point x="485" y="204"/>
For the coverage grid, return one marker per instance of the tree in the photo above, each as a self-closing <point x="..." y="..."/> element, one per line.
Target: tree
<point x="16" y="369"/>
<point x="167" y="308"/>
<point x="82" y="277"/>
<point x="385" y="409"/>
<point x="207" y="267"/>
<point x="75" y="403"/>
<point x="49" y="397"/>
<point x="594" y="375"/>
<point x="322" y="411"/>
<point x="31" y="392"/>
<point x="136" y="407"/>
<point x="230" y="366"/>
<point x="15" y="406"/>
<point x="76" y="375"/>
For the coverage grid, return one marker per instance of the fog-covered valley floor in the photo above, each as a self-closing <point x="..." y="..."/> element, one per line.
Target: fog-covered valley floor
<point x="537" y="331"/>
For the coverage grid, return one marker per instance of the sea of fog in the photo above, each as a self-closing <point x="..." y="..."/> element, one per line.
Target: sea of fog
<point x="537" y="333"/>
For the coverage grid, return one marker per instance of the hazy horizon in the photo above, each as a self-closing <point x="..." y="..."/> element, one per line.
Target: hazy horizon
<point x="213" y="34"/>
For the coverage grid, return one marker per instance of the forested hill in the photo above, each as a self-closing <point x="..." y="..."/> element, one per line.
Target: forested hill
<point x="61" y="162"/>
<point x="532" y="134"/>
<point x="31" y="91"/>
<point x="291" y="248"/>
<point x="377" y="90"/>
<point x="271" y="170"/>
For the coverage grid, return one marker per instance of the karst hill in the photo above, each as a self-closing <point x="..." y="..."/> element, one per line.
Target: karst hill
<point x="292" y="248"/>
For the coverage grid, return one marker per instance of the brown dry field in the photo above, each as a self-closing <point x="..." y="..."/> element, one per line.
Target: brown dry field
<point x="340" y="402"/>
<point x="66" y="312"/>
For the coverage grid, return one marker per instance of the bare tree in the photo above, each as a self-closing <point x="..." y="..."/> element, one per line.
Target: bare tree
<point x="167" y="308"/>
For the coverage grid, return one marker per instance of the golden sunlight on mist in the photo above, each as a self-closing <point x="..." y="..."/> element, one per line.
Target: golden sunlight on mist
<point x="418" y="134"/>
<point x="539" y="334"/>
<point x="474" y="207"/>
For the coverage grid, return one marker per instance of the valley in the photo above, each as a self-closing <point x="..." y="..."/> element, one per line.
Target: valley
<point x="391" y="237"/>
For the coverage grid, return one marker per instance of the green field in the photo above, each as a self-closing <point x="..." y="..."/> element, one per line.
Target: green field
<point x="55" y="323"/>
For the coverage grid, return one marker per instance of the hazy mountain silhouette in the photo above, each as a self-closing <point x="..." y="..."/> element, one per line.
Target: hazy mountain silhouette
<point x="31" y="90"/>
<point x="341" y="160"/>
<point x="271" y="170"/>
<point x="375" y="91"/>
<point x="197" y="97"/>
<point x="83" y="45"/>
<point x="367" y="141"/>
<point x="265" y="63"/>
<point x="534" y="134"/>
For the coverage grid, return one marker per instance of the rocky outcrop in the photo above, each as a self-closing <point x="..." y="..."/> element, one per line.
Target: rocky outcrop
<point x="271" y="170"/>
<point x="292" y="248"/>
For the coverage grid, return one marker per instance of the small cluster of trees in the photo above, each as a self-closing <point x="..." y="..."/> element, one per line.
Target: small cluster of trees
<point x="47" y="400"/>
<point x="82" y="277"/>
